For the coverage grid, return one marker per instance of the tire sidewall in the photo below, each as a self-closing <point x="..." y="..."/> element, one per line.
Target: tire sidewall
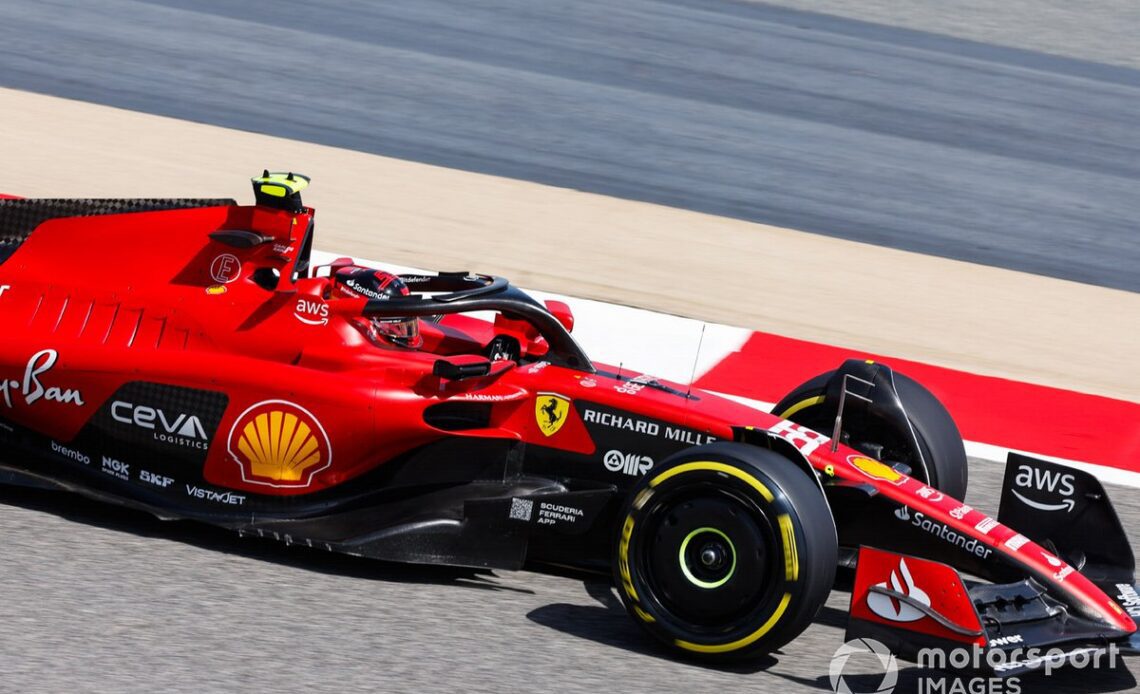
<point x="801" y="564"/>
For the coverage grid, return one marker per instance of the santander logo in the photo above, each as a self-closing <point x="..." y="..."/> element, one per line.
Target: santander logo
<point x="893" y="609"/>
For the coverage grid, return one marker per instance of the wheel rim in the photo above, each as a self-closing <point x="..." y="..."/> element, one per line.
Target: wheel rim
<point x="710" y="557"/>
<point x="707" y="553"/>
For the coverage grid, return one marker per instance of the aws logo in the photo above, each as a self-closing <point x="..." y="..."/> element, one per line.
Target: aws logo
<point x="1056" y="486"/>
<point x="279" y="444"/>
<point x="311" y="311"/>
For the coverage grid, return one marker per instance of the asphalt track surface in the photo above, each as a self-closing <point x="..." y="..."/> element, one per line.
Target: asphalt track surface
<point x="1103" y="32"/>
<point x="100" y="599"/>
<point x="893" y="136"/>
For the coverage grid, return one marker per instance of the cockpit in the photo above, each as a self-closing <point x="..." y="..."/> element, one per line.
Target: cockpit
<point x="449" y="314"/>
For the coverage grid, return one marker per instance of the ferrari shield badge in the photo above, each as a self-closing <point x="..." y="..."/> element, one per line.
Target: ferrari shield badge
<point x="550" y="412"/>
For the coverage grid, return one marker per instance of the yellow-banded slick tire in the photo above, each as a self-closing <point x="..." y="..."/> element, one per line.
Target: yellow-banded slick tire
<point x="725" y="551"/>
<point x="937" y="434"/>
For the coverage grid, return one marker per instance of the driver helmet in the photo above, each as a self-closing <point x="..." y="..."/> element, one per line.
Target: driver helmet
<point x="365" y="283"/>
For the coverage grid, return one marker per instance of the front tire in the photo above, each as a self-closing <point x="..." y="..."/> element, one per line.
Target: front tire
<point x="726" y="551"/>
<point x="938" y="438"/>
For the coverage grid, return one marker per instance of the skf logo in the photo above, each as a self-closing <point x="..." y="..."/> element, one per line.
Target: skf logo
<point x="876" y="470"/>
<point x="157" y="480"/>
<point x="279" y="444"/>
<point x="550" y="412"/>
<point x="312" y="311"/>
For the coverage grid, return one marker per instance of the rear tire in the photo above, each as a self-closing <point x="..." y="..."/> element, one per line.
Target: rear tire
<point x="938" y="437"/>
<point x="725" y="552"/>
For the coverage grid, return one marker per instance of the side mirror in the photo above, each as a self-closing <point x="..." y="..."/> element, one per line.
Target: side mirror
<point x="459" y="367"/>
<point x="561" y="311"/>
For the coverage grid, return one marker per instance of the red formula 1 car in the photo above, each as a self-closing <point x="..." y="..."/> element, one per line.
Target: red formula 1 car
<point x="182" y="357"/>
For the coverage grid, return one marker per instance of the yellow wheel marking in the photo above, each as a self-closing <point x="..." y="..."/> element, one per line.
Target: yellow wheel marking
<point x="740" y="643"/>
<point x="641" y="498"/>
<point x="791" y="555"/>
<point x="715" y="467"/>
<point x="623" y="559"/>
<point x="645" y="616"/>
<point x="799" y="406"/>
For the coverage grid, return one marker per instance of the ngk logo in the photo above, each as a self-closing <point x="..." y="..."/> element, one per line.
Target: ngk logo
<point x="116" y="468"/>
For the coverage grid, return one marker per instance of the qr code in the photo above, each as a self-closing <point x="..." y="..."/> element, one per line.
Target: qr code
<point x="521" y="509"/>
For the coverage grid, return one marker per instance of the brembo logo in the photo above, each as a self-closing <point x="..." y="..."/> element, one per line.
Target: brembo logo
<point x="892" y="608"/>
<point x="181" y="429"/>
<point x="70" y="453"/>
<point x="1056" y="483"/>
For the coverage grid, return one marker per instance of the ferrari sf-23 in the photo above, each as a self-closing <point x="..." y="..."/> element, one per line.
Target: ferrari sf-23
<point x="184" y="357"/>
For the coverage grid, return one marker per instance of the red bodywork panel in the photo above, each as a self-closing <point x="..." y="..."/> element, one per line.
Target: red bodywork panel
<point x="926" y="582"/>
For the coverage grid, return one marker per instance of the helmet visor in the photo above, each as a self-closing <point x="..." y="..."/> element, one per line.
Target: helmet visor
<point x="402" y="331"/>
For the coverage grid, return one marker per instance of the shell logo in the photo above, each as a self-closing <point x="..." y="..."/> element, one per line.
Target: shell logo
<point x="874" y="469"/>
<point x="279" y="444"/>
